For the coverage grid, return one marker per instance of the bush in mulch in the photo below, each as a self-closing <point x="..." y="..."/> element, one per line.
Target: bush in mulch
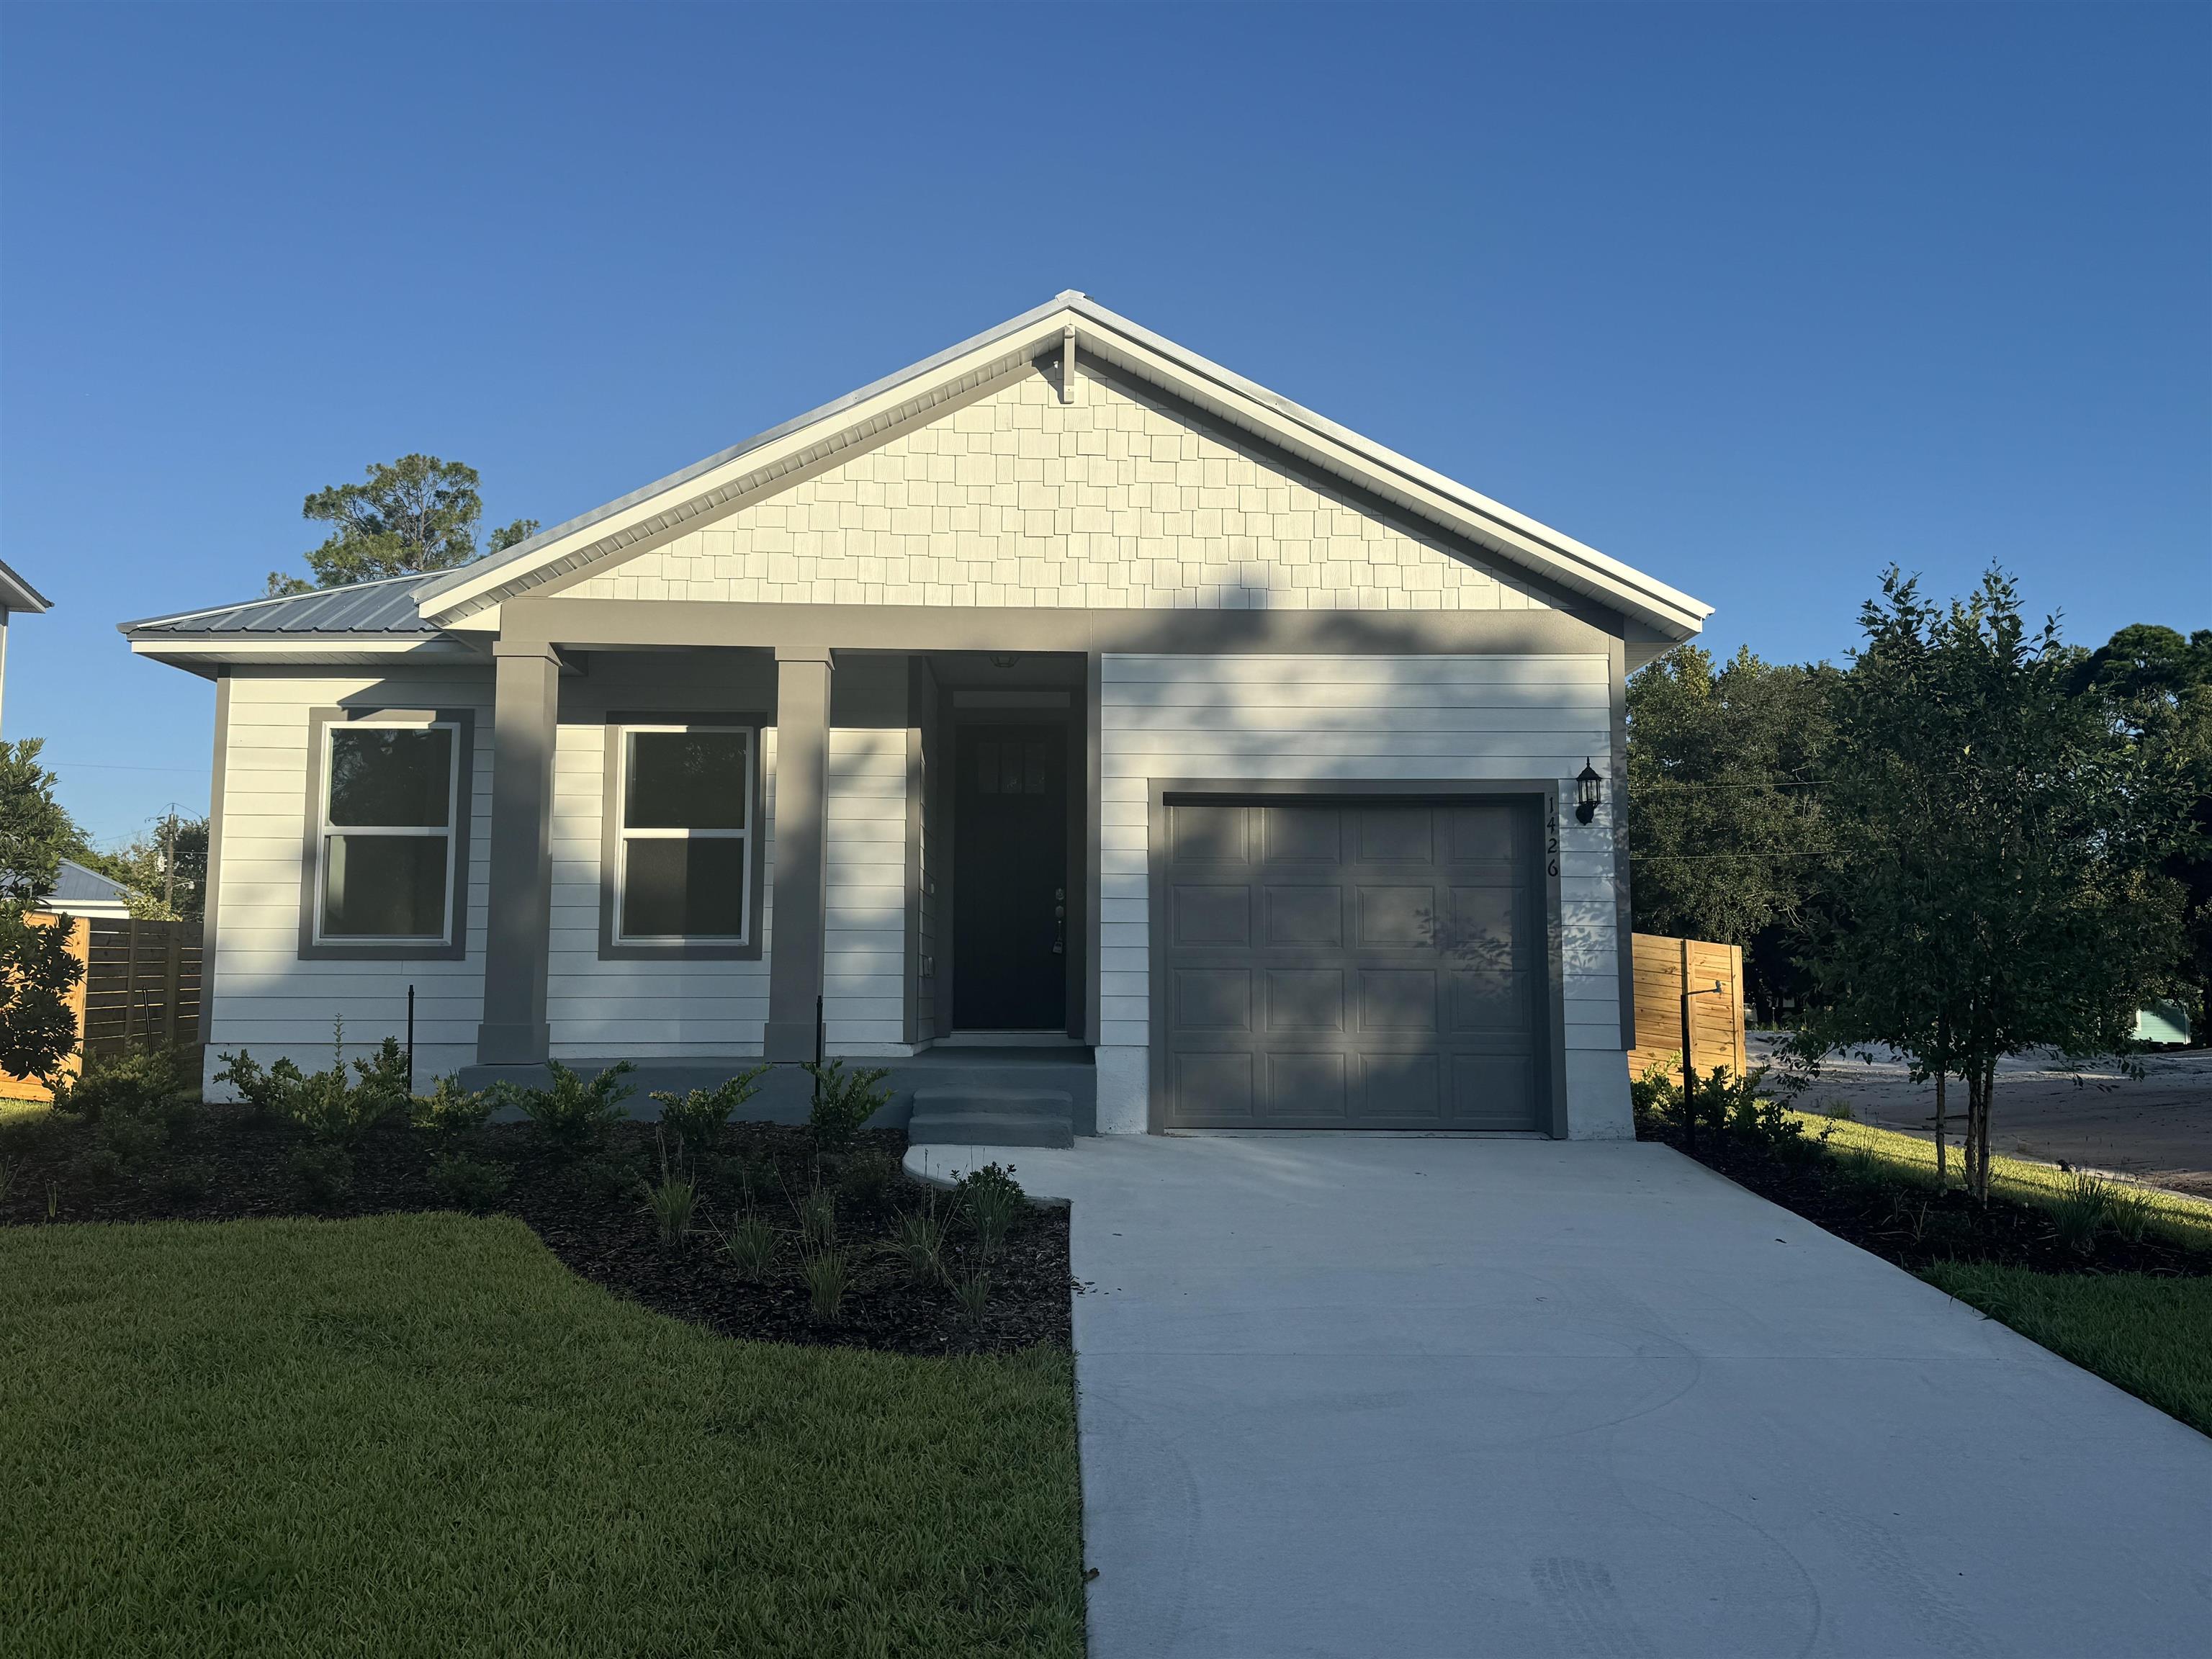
<point x="799" y="1216"/>
<point x="1913" y="1225"/>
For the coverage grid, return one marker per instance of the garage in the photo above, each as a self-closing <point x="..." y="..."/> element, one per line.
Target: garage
<point x="1370" y="962"/>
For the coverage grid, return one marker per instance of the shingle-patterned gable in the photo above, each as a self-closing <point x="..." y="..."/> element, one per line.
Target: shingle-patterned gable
<point x="1019" y="500"/>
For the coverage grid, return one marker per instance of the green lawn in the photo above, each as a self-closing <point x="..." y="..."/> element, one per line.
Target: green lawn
<point x="2151" y="1336"/>
<point x="421" y="1435"/>
<point x="2184" y="1219"/>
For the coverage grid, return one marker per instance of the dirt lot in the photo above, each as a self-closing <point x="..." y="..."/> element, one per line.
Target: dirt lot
<point x="2156" y="1129"/>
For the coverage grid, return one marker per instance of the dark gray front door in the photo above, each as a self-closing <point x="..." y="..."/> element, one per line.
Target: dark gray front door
<point x="1345" y="964"/>
<point x="1010" y="879"/>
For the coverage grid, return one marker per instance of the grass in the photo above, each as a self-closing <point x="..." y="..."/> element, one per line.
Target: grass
<point x="421" y="1435"/>
<point x="2183" y="1219"/>
<point x="2151" y="1336"/>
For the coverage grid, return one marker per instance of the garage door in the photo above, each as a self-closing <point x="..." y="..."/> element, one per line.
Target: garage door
<point x="1350" y="965"/>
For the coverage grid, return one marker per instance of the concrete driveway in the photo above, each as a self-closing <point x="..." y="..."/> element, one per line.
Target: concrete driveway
<point x="1347" y="1395"/>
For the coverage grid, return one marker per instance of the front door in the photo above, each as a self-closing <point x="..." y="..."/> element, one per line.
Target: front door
<point x="1010" y="879"/>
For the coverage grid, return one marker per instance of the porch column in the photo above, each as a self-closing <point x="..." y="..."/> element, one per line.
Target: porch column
<point x="801" y="876"/>
<point x="525" y="691"/>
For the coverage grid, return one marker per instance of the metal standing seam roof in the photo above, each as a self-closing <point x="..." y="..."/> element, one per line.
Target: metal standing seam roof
<point x="384" y="606"/>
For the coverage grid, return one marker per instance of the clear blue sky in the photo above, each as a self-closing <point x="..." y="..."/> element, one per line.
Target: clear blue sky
<point x="1758" y="298"/>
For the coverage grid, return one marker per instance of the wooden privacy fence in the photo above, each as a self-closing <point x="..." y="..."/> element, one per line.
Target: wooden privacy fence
<point x="1715" y="1022"/>
<point x="141" y="989"/>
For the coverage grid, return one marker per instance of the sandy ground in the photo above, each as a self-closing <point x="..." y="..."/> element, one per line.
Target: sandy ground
<point x="2157" y="1128"/>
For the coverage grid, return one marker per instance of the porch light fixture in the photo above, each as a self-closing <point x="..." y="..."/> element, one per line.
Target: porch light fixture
<point x="1590" y="790"/>
<point x="1004" y="658"/>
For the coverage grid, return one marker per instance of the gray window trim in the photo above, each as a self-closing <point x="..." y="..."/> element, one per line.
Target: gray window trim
<point x="1541" y="793"/>
<point x="455" y="946"/>
<point x="614" y="950"/>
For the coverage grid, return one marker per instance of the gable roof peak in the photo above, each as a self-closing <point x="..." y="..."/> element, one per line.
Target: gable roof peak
<point x="756" y="465"/>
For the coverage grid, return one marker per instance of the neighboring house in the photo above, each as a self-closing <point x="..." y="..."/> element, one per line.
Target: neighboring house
<point x="82" y="892"/>
<point x="16" y="595"/>
<point x="1083" y="730"/>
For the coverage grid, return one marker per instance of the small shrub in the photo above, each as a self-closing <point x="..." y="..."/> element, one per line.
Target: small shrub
<point x="266" y="1093"/>
<point x="385" y="1072"/>
<point x="671" y="1199"/>
<point x="324" y="1169"/>
<point x="1742" y="1104"/>
<point x="331" y="1106"/>
<point x="1656" y="1092"/>
<point x="750" y="1244"/>
<point x="826" y="1278"/>
<point x="697" y="1118"/>
<point x="463" y="1183"/>
<point x="140" y="1083"/>
<point x="184" y="1183"/>
<point x="918" y="1240"/>
<point x="843" y="1102"/>
<point x="450" y="1114"/>
<point x="100" y="1165"/>
<point x="134" y="1141"/>
<point x="575" y="1116"/>
<point x="2081" y="1211"/>
<point x="973" y="1293"/>
<point x="1835" y="1108"/>
<point x="992" y="1199"/>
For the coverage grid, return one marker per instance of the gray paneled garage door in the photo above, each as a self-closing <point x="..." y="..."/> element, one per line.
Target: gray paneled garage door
<point x="1350" y="965"/>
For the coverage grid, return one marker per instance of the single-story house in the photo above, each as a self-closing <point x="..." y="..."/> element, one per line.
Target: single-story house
<point x="1083" y="732"/>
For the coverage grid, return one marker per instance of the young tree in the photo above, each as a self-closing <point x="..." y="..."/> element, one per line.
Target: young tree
<point x="1996" y="882"/>
<point x="37" y="972"/>
<point x="416" y="514"/>
<point x="165" y="869"/>
<point x="1724" y="804"/>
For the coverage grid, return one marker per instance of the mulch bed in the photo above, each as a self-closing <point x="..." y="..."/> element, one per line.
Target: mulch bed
<point x="1914" y="1226"/>
<point x="224" y="1165"/>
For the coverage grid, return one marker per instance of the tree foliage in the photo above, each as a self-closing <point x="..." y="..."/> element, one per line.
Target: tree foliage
<point x="414" y="514"/>
<point x="143" y="864"/>
<point x="1723" y="804"/>
<point x="1995" y="884"/>
<point x="2157" y="687"/>
<point x="38" y="1031"/>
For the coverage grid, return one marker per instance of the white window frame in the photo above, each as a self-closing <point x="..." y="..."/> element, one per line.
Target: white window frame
<point x="324" y="829"/>
<point x="624" y="834"/>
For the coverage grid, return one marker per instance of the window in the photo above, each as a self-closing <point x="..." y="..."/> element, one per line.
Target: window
<point x="386" y="838"/>
<point x="684" y="835"/>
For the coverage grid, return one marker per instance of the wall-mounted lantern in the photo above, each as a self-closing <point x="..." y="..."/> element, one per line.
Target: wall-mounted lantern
<point x="1590" y="790"/>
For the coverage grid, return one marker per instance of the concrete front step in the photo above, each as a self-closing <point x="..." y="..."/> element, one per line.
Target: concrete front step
<point x="991" y="1117"/>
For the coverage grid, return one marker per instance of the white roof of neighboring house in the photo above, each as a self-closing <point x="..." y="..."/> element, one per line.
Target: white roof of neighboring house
<point x="16" y="595"/>
<point x="83" y="892"/>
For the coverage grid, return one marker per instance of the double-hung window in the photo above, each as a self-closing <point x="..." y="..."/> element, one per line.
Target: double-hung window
<point x="683" y="829"/>
<point x="385" y="841"/>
